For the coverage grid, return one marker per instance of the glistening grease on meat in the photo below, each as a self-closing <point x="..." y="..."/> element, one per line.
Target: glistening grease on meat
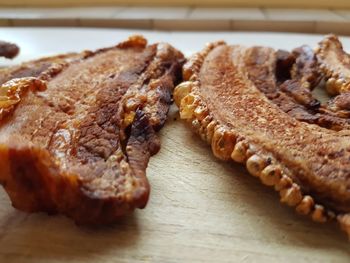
<point x="77" y="131"/>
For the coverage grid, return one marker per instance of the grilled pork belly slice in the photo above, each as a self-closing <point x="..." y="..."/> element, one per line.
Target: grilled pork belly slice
<point x="232" y="98"/>
<point x="77" y="132"/>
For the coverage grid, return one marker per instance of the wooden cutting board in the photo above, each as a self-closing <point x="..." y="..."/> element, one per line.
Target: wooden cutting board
<point x="201" y="210"/>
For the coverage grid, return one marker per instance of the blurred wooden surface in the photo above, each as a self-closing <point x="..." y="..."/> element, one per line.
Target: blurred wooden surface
<point x="200" y="210"/>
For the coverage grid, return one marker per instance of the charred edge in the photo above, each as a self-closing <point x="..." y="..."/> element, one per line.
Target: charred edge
<point x="142" y="131"/>
<point x="141" y="145"/>
<point x="162" y="81"/>
<point x="139" y="114"/>
<point x="284" y="63"/>
<point x="306" y="67"/>
<point x="140" y="128"/>
<point x="127" y="130"/>
<point x="166" y="97"/>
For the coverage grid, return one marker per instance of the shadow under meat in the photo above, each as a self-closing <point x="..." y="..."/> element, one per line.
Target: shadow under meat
<point x="292" y="228"/>
<point x="43" y="237"/>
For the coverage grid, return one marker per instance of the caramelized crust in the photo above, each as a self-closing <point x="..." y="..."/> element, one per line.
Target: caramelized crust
<point x="231" y="100"/>
<point x="78" y="138"/>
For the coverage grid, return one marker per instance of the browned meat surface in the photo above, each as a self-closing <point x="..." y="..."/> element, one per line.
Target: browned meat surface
<point x="305" y="69"/>
<point x="232" y="100"/>
<point x="287" y="80"/>
<point x="8" y="50"/>
<point x="76" y="133"/>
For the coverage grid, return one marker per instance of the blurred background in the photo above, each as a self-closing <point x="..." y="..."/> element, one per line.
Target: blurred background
<point x="305" y="16"/>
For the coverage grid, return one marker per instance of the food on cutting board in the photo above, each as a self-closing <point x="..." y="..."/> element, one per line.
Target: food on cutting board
<point x="77" y="130"/>
<point x="254" y="106"/>
<point x="8" y="50"/>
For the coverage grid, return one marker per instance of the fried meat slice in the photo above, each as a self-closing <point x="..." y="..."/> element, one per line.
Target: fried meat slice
<point x="307" y="164"/>
<point x="77" y="133"/>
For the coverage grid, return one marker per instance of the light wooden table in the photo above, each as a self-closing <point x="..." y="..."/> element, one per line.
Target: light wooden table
<point x="200" y="210"/>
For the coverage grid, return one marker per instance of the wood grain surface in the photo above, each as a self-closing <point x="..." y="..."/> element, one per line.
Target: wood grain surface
<point x="201" y="209"/>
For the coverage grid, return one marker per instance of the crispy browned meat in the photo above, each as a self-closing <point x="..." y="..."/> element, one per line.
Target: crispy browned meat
<point x="228" y="100"/>
<point x="76" y="138"/>
<point x="305" y="69"/>
<point x="287" y="79"/>
<point x="8" y="50"/>
<point x="283" y="65"/>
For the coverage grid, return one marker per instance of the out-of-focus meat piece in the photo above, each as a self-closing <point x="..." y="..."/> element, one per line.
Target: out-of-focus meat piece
<point x="305" y="69"/>
<point x="302" y="95"/>
<point x="8" y="50"/>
